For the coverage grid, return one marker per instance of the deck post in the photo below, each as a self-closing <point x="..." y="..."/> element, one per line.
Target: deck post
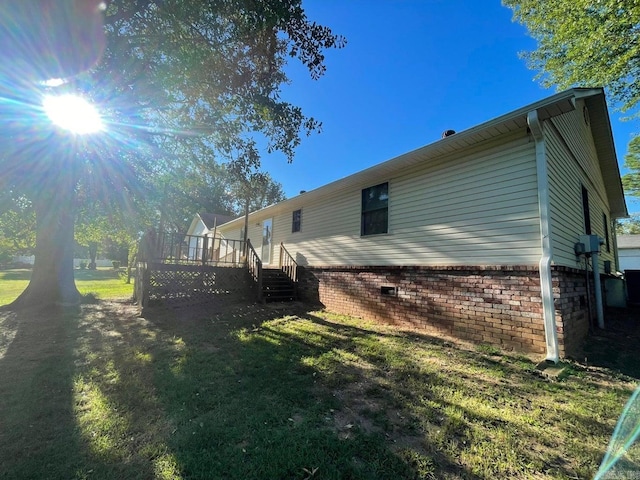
<point x="204" y="249"/>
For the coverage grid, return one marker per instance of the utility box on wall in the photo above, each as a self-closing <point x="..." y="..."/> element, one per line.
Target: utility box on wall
<point x="591" y="243"/>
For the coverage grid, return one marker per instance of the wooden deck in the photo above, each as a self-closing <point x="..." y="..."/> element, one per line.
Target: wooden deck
<point x="179" y="269"/>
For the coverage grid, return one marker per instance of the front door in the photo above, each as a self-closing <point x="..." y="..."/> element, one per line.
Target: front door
<point x="267" y="233"/>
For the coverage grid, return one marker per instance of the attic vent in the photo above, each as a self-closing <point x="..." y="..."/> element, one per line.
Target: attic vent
<point x="448" y="133"/>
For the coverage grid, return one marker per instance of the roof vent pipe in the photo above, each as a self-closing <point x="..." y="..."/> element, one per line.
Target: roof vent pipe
<point x="448" y="133"/>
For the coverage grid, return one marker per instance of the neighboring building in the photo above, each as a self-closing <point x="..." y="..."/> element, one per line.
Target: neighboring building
<point x="471" y="236"/>
<point x="629" y="252"/>
<point x="629" y="255"/>
<point x="203" y="224"/>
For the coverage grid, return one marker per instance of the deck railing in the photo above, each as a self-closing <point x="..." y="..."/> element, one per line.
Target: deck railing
<point x="255" y="267"/>
<point x="178" y="248"/>
<point x="288" y="265"/>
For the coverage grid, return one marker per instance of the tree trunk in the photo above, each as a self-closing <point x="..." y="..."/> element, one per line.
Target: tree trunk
<point x="246" y="227"/>
<point x="52" y="281"/>
<point x="93" y="253"/>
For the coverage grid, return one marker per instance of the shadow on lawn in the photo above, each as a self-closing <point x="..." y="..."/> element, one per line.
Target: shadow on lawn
<point x="256" y="409"/>
<point x="616" y="347"/>
<point x="355" y="404"/>
<point x="36" y="363"/>
<point x="447" y="428"/>
<point x="262" y="392"/>
<point x="15" y="274"/>
<point x="39" y="432"/>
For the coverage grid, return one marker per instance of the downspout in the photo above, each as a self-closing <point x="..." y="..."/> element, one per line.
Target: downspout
<point x="595" y="262"/>
<point x="546" y="282"/>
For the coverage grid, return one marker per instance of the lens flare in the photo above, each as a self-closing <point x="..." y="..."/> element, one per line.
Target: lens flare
<point x="73" y="113"/>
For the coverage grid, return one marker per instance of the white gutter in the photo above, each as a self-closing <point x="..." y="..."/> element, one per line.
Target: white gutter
<point x="546" y="283"/>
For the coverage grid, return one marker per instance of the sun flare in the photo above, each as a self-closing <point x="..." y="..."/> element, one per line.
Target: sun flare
<point x="73" y="113"/>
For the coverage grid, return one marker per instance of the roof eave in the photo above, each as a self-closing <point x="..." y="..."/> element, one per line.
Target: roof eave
<point x="557" y="104"/>
<point x="606" y="151"/>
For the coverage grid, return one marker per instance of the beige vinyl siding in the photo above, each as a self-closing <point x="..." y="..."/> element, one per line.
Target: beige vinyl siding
<point x="477" y="208"/>
<point x="578" y="137"/>
<point x="572" y="163"/>
<point x="255" y="235"/>
<point x="230" y="234"/>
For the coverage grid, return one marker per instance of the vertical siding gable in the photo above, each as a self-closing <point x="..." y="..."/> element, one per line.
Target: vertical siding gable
<point x="576" y="135"/>
<point x="573" y="162"/>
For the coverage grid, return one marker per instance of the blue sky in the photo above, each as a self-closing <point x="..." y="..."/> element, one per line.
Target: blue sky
<point x="411" y="69"/>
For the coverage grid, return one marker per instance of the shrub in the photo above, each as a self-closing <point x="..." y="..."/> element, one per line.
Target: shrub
<point x="82" y="264"/>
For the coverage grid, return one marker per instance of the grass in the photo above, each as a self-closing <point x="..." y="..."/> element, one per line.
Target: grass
<point x="265" y="393"/>
<point x="104" y="283"/>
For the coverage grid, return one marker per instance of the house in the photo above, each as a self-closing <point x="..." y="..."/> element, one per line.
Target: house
<point x="472" y="236"/>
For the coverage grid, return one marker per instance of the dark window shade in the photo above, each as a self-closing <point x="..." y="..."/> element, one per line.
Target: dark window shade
<point x="296" y="221"/>
<point x="375" y="210"/>
<point x="605" y="223"/>
<point x="585" y="211"/>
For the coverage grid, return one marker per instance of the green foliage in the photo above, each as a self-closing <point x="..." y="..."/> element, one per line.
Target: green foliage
<point x="17" y="226"/>
<point x="585" y="43"/>
<point x="214" y="69"/>
<point x="207" y="187"/>
<point x="182" y="86"/>
<point x="588" y="44"/>
<point x="263" y="191"/>
<point x="255" y="191"/>
<point x="629" y="226"/>
<point x="631" y="181"/>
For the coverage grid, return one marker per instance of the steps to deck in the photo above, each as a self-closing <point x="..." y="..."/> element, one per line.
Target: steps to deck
<point x="277" y="286"/>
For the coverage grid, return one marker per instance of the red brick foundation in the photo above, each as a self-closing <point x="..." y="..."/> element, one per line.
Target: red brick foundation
<point x="572" y="312"/>
<point x="490" y="304"/>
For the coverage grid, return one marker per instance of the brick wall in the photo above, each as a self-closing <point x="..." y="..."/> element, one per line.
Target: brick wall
<point x="571" y="305"/>
<point x="499" y="305"/>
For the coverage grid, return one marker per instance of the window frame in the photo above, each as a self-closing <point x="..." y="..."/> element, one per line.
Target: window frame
<point x="586" y="214"/>
<point x="367" y="213"/>
<point x="605" y="223"/>
<point x="296" y="223"/>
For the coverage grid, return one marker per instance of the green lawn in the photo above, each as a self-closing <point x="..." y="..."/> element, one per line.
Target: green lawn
<point x="104" y="283"/>
<point x="262" y="392"/>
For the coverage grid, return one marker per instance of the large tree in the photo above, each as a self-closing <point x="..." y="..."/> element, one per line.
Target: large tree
<point x="203" y="74"/>
<point x="631" y="182"/>
<point x="585" y="43"/>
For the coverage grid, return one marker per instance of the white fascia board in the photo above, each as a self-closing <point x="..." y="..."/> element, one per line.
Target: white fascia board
<point x="551" y="106"/>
